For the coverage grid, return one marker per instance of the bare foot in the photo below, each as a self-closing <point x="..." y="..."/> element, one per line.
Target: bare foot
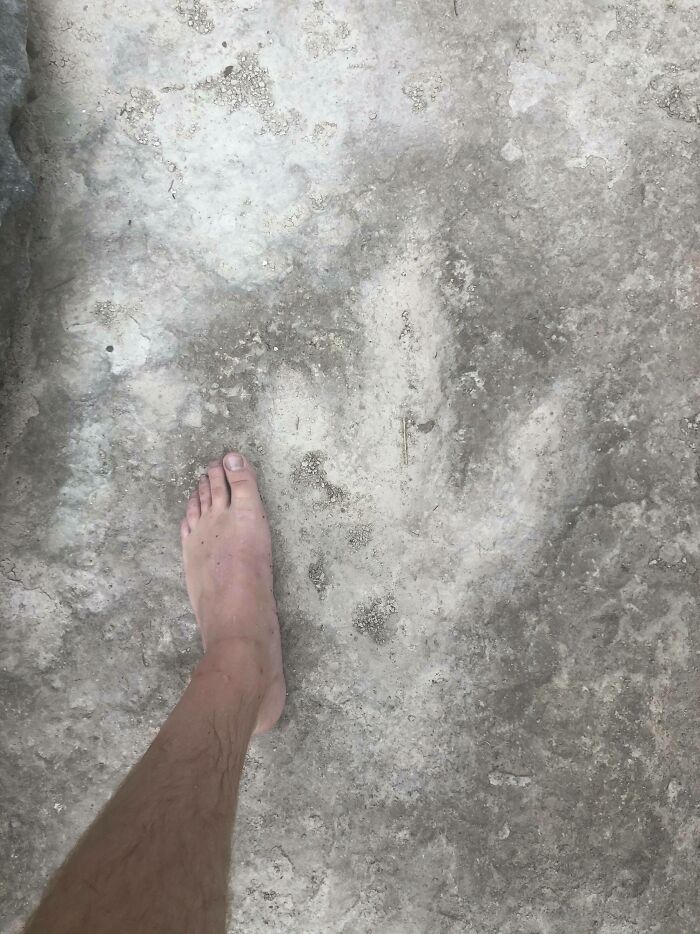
<point x="228" y="569"/>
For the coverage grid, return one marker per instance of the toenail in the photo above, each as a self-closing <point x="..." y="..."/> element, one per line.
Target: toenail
<point x="234" y="462"/>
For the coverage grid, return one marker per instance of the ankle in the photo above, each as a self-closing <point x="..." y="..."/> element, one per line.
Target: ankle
<point x="242" y="659"/>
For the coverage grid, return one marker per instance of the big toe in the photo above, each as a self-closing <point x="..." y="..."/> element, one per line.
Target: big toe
<point x="241" y="479"/>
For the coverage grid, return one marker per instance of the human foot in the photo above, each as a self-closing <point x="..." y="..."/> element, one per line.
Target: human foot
<point x="228" y="568"/>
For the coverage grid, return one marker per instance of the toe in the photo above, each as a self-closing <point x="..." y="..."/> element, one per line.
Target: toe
<point x="241" y="478"/>
<point x="194" y="510"/>
<point x="218" y="484"/>
<point x="204" y="492"/>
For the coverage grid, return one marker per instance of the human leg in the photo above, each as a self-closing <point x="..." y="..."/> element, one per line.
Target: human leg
<point x="157" y="858"/>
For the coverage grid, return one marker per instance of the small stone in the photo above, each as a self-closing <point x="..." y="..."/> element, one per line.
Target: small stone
<point x="670" y="553"/>
<point x="511" y="152"/>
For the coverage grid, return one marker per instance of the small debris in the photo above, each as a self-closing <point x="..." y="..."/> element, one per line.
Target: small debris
<point x="498" y="778"/>
<point x="245" y="83"/>
<point x="138" y="115"/>
<point x="423" y="89"/>
<point x="107" y="312"/>
<point x="671" y="557"/>
<point x="311" y="472"/>
<point x="319" y="578"/>
<point x="673" y="789"/>
<point x="372" y="619"/>
<point x="324" y="132"/>
<point x="360" y="536"/>
<point x="196" y="16"/>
